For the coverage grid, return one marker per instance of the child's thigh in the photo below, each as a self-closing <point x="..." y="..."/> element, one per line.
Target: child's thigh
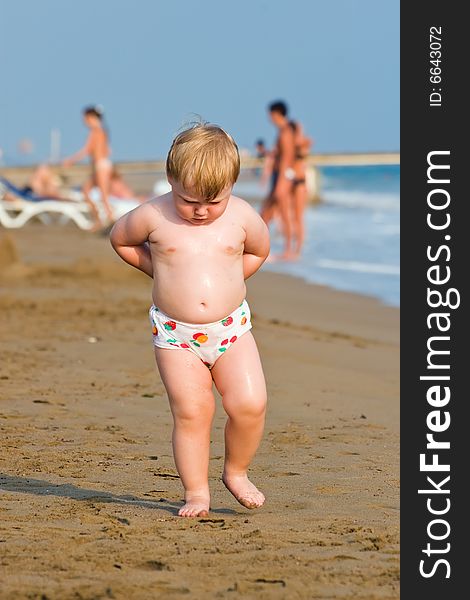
<point x="238" y="373"/>
<point x="187" y="380"/>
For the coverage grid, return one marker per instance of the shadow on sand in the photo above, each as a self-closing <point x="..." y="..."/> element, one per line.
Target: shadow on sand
<point x="40" y="487"/>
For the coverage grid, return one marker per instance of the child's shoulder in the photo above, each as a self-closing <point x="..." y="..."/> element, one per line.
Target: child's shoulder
<point x="242" y="207"/>
<point x="239" y="204"/>
<point x="157" y="204"/>
<point x="152" y="210"/>
<point x="246" y="215"/>
<point x="157" y="200"/>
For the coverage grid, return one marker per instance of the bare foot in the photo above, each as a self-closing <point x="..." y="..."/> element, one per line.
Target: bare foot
<point x="244" y="491"/>
<point x="195" y="506"/>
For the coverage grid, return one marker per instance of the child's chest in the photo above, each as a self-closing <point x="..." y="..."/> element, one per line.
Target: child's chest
<point x="211" y="240"/>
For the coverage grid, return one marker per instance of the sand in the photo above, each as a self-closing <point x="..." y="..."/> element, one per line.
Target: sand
<point x="88" y="485"/>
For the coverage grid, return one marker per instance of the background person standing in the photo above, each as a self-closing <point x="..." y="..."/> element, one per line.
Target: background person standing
<point x="299" y="185"/>
<point x="282" y="175"/>
<point x="97" y="148"/>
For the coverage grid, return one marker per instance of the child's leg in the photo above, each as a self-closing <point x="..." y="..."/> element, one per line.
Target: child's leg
<point x="188" y="383"/>
<point x="239" y="377"/>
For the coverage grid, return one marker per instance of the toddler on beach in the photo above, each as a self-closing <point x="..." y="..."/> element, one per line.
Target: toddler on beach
<point x="199" y="244"/>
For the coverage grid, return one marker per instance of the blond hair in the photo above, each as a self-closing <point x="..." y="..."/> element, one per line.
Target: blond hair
<point x="204" y="159"/>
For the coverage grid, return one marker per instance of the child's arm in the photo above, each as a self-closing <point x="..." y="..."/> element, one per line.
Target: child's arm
<point x="256" y="243"/>
<point x="129" y="237"/>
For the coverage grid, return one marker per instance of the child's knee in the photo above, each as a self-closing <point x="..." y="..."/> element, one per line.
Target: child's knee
<point x="259" y="407"/>
<point x="194" y="414"/>
<point x="251" y="407"/>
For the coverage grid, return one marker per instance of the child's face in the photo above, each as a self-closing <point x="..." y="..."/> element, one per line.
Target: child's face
<point x="195" y="209"/>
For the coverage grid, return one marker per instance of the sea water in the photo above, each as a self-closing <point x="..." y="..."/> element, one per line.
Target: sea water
<point x="353" y="236"/>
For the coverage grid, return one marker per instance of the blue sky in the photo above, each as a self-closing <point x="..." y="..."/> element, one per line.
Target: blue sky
<point x="153" y="63"/>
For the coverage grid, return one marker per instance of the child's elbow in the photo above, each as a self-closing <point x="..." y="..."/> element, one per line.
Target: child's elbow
<point x="267" y="243"/>
<point x="114" y="236"/>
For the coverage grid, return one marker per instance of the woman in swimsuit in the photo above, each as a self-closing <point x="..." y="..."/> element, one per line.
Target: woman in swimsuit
<point x="97" y="148"/>
<point x="299" y="185"/>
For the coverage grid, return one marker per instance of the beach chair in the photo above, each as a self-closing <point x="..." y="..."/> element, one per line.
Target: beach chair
<point x="24" y="206"/>
<point x="120" y="206"/>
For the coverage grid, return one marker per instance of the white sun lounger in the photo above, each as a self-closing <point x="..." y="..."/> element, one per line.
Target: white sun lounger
<point x="21" y="208"/>
<point x="16" y="213"/>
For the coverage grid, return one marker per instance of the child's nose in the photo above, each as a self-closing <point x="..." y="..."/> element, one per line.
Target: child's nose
<point x="201" y="210"/>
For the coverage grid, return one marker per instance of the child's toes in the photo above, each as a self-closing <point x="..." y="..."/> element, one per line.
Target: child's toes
<point x="197" y="507"/>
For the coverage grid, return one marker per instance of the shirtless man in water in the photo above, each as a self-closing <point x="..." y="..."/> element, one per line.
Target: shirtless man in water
<point x="199" y="244"/>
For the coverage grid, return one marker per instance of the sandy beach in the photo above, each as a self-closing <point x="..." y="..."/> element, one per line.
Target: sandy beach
<point x="88" y="485"/>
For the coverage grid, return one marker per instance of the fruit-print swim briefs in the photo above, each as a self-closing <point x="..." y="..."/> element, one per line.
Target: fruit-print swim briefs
<point x="208" y="340"/>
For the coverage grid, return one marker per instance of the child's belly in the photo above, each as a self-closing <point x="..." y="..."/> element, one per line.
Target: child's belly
<point x="199" y="291"/>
